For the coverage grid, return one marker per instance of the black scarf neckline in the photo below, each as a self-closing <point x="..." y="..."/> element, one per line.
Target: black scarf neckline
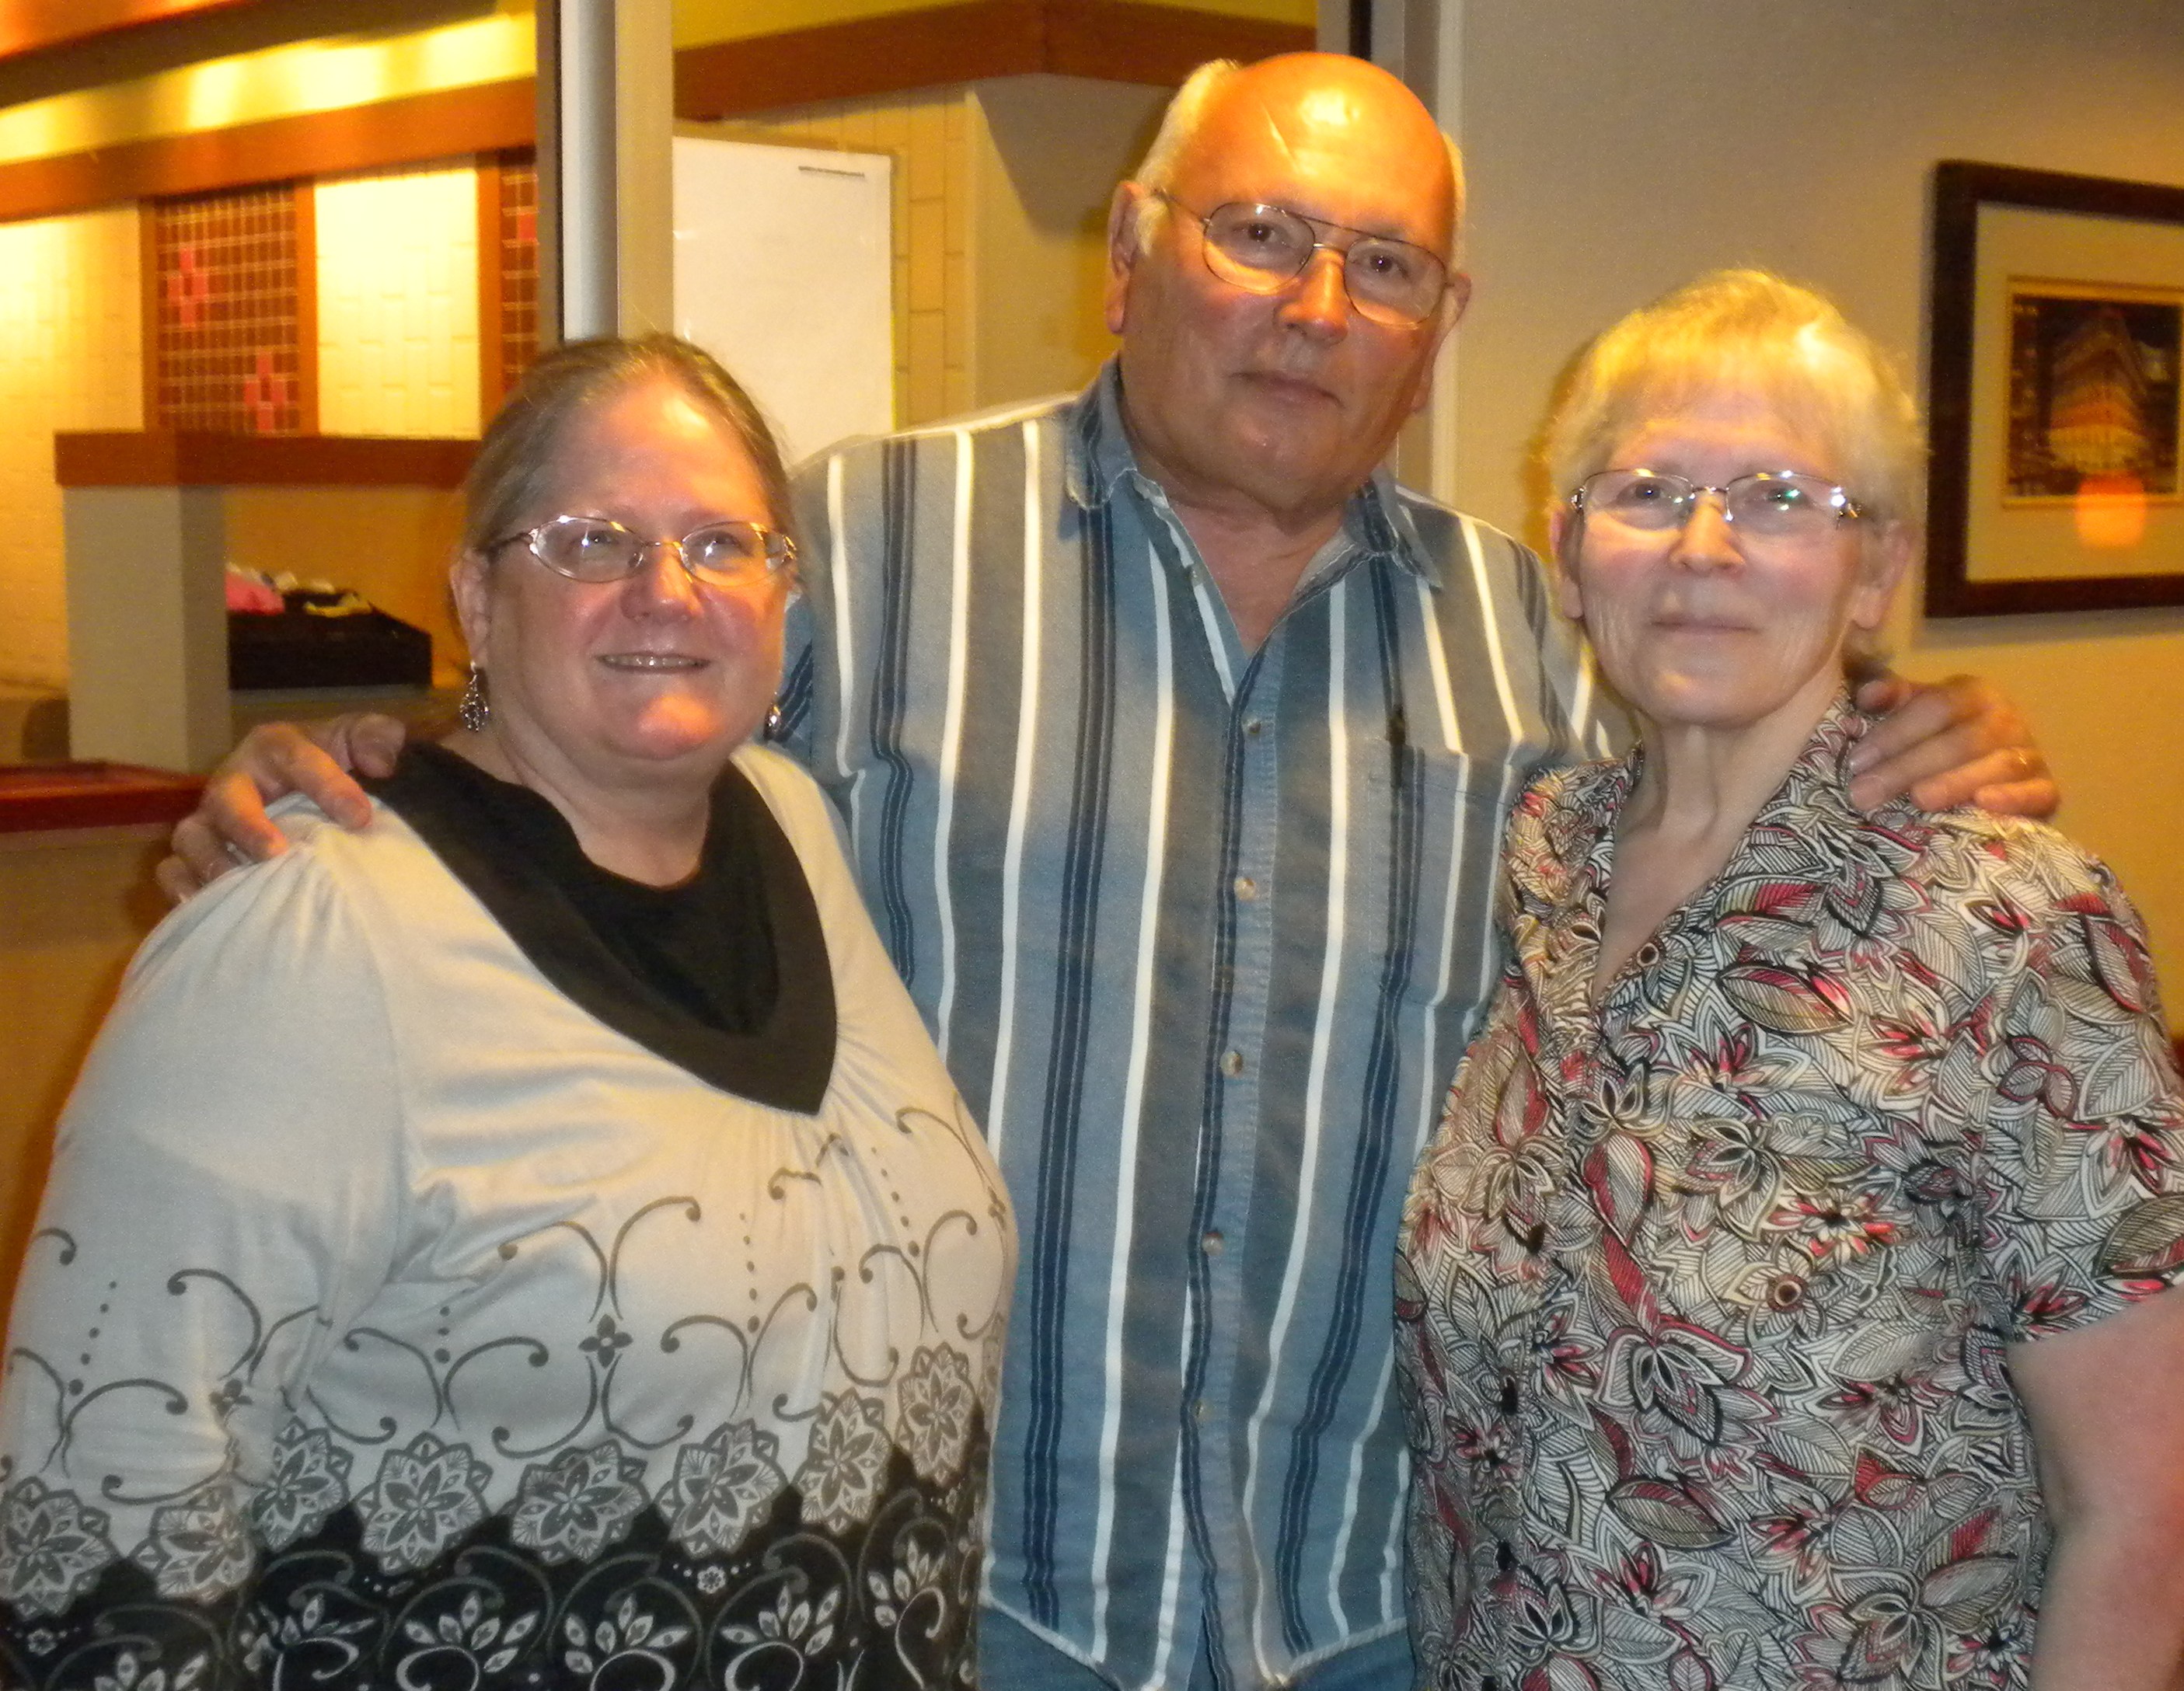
<point x="726" y="976"/>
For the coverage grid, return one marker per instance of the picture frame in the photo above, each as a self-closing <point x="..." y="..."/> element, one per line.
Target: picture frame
<point x="2055" y="393"/>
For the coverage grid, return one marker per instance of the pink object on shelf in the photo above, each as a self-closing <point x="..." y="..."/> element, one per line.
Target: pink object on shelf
<point x="249" y="591"/>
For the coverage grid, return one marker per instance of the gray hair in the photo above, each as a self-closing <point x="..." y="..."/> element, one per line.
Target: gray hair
<point x="1750" y="330"/>
<point x="1186" y="115"/>
<point x="514" y="466"/>
<point x="1746" y="329"/>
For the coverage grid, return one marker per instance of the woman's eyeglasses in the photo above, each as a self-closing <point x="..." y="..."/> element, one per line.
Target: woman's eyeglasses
<point x="1774" y="504"/>
<point x="729" y="555"/>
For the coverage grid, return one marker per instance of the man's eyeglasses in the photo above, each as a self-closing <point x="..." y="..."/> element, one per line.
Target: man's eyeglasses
<point x="1772" y="504"/>
<point x="1264" y="248"/>
<point x="730" y="554"/>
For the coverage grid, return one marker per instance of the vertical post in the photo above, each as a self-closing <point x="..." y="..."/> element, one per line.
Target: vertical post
<point x="1421" y="43"/>
<point x="1438" y="80"/>
<point x="147" y="624"/>
<point x="606" y="96"/>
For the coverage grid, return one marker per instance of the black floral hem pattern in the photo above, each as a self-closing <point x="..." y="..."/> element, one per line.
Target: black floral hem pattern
<point x="808" y="1599"/>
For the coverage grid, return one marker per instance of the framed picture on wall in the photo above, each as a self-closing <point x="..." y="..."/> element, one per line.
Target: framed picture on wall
<point x="2055" y="367"/>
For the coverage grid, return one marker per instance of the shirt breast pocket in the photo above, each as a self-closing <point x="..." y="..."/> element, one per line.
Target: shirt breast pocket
<point x="1434" y="817"/>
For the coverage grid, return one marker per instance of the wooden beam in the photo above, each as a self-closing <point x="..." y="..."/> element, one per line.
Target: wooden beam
<point x="1111" y="41"/>
<point x="199" y="459"/>
<point x="483" y="118"/>
<point x="33" y="26"/>
<point x="93" y="795"/>
<point x="303" y="213"/>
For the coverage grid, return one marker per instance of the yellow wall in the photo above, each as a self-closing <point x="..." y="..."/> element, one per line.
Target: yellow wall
<point x="397" y="315"/>
<point x="70" y="338"/>
<point x="391" y="544"/>
<point x="1599" y="179"/>
<point x="399" y="304"/>
<point x="72" y="908"/>
<point x="285" y="82"/>
<point x="1047" y="152"/>
<point x="697" y="22"/>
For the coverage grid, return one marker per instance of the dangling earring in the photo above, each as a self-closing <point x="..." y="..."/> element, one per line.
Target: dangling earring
<point x="773" y="720"/>
<point x="477" y="709"/>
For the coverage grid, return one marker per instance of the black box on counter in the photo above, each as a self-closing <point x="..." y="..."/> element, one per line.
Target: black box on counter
<point x="320" y="640"/>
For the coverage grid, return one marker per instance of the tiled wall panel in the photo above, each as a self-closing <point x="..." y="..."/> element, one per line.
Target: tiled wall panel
<point x="397" y="303"/>
<point x="71" y="339"/>
<point x="228" y="357"/>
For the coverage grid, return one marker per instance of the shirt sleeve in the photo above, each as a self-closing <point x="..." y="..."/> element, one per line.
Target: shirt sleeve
<point x="222" y="1204"/>
<point x="2083" y="1200"/>
<point x="805" y="651"/>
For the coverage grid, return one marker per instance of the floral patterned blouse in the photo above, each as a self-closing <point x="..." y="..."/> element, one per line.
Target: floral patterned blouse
<point x="1703" y="1293"/>
<point x="395" y="1321"/>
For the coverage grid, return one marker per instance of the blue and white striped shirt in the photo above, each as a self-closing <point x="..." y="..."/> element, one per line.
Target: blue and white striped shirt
<point x="1201" y="932"/>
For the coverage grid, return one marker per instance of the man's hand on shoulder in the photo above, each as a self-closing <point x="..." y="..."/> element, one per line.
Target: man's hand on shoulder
<point x="1946" y="743"/>
<point x="229" y="825"/>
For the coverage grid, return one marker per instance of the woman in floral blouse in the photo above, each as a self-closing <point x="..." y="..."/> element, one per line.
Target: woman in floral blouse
<point x="531" y="1241"/>
<point x="1782" y="1303"/>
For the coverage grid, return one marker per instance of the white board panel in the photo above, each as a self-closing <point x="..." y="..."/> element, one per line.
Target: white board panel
<point x="783" y="269"/>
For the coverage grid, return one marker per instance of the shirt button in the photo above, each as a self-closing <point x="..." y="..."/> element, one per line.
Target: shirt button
<point x="1255" y="727"/>
<point x="1232" y="1064"/>
<point x="1246" y="888"/>
<point x="1211" y="1243"/>
<point x="1198" y="1411"/>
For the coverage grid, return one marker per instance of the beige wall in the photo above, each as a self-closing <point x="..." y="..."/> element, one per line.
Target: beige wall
<point x="71" y="333"/>
<point x="1610" y="160"/>
<point x="1047" y="153"/>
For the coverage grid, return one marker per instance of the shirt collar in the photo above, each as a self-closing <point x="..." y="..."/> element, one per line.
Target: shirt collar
<point x="1815" y="791"/>
<point x="1100" y="464"/>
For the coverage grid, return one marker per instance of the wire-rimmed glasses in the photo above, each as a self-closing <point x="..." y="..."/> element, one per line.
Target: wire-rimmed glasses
<point x="722" y="554"/>
<point x="1772" y="504"/>
<point x="1264" y="248"/>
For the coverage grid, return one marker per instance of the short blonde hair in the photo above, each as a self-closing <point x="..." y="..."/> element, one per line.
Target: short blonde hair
<point x="1186" y="115"/>
<point x="1747" y="330"/>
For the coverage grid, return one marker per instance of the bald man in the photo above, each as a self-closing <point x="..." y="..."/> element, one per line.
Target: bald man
<point x="1174" y="742"/>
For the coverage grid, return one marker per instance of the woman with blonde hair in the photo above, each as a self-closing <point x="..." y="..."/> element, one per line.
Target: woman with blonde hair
<point x="1784" y="1300"/>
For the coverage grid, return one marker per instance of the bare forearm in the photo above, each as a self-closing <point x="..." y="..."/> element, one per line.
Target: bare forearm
<point x="2112" y="1616"/>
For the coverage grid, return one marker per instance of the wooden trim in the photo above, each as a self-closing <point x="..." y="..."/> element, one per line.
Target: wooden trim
<point x="40" y="798"/>
<point x="1111" y="41"/>
<point x="34" y="25"/>
<point x="197" y="458"/>
<point x="304" y="201"/>
<point x="148" y="277"/>
<point x="1120" y="40"/>
<point x="492" y="303"/>
<point x="412" y="130"/>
